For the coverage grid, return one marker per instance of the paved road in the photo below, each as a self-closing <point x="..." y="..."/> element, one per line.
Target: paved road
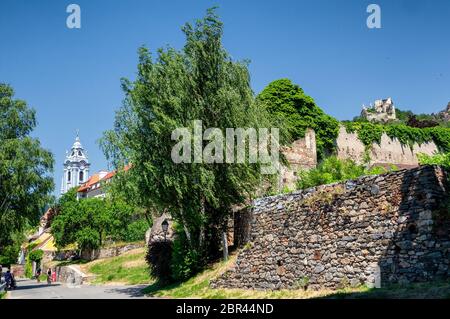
<point x="30" y="289"/>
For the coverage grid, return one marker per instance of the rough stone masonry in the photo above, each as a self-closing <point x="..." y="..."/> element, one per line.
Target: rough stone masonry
<point x="376" y="230"/>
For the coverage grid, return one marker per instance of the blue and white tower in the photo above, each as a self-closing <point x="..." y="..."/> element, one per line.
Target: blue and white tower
<point x="76" y="167"/>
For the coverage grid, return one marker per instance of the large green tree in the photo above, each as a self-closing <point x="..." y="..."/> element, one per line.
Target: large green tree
<point x="89" y="222"/>
<point x="200" y="82"/>
<point x="25" y="167"/>
<point x="295" y="111"/>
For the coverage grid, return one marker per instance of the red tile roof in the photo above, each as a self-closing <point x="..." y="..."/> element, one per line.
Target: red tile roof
<point x="94" y="179"/>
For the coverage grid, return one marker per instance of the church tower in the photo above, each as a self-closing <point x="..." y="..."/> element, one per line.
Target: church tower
<point x="76" y="167"/>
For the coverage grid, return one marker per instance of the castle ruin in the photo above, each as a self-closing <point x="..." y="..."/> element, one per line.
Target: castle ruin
<point x="382" y="111"/>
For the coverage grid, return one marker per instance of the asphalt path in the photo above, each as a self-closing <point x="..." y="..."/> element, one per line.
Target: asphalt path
<point x="30" y="289"/>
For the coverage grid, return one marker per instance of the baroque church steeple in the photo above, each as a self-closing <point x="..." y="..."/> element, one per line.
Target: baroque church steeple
<point x="76" y="167"/>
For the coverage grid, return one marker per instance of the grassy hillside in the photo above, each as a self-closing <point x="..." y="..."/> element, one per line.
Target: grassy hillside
<point x="129" y="268"/>
<point x="198" y="287"/>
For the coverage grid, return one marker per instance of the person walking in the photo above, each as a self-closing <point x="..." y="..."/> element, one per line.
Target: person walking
<point x="49" y="276"/>
<point x="54" y="275"/>
<point x="38" y="275"/>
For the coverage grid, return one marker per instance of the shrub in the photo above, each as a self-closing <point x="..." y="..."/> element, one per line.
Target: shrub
<point x="136" y="230"/>
<point x="186" y="262"/>
<point x="159" y="259"/>
<point x="438" y="159"/>
<point x="36" y="255"/>
<point x="28" y="268"/>
<point x="333" y="170"/>
<point x="302" y="283"/>
<point x="33" y="256"/>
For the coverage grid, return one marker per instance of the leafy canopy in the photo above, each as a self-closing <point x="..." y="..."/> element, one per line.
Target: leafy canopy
<point x="88" y="222"/>
<point x="294" y="111"/>
<point x="25" y="167"/>
<point x="172" y="89"/>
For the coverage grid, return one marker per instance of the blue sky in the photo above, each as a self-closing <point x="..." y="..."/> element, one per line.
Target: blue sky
<point x="72" y="77"/>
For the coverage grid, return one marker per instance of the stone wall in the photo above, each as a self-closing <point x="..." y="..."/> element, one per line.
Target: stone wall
<point x="375" y="230"/>
<point x="389" y="151"/>
<point x="107" y="252"/>
<point x="302" y="154"/>
<point x="18" y="271"/>
<point x="70" y="275"/>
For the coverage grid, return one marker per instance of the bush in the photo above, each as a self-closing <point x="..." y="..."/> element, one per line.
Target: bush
<point x="159" y="259"/>
<point x="333" y="170"/>
<point x="136" y="231"/>
<point x="438" y="159"/>
<point x="33" y="256"/>
<point x="28" y="268"/>
<point x="36" y="255"/>
<point x="185" y="262"/>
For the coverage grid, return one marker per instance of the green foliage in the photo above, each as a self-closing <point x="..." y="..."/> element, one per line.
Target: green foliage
<point x="370" y="133"/>
<point x="28" y="268"/>
<point x="10" y="253"/>
<point x="25" y="167"/>
<point x="32" y="256"/>
<point x="302" y="283"/>
<point x="333" y="170"/>
<point x="438" y="159"/>
<point x="294" y="111"/>
<point x="136" y="231"/>
<point x="404" y="116"/>
<point x="129" y="269"/>
<point x="185" y="261"/>
<point x="89" y="222"/>
<point x="172" y="89"/>
<point x="36" y="255"/>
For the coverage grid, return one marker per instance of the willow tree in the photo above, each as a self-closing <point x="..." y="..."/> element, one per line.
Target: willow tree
<point x="199" y="82"/>
<point x="25" y="183"/>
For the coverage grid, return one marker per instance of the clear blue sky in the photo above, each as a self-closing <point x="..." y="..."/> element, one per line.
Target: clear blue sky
<point x="71" y="77"/>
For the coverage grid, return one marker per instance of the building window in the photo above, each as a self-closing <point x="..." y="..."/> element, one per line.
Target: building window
<point x="81" y="176"/>
<point x="79" y="153"/>
<point x="68" y="176"/>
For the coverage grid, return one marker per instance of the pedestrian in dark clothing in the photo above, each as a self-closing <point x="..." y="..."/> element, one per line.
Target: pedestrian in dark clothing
<point x="38" y="275"/>
<point x="49" y="276"/>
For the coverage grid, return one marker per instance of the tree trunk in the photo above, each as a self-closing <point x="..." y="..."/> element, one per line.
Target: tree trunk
<point x="202" y="226"/>
<point x="185" y="228"/>
<point x="148" y="217"/>
<point x="225" y="245"/>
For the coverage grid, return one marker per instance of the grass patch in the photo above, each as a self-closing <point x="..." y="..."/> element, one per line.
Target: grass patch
<point x="428" y="290"/>
<point x="2" y="295"/>
<point x="198" y="287"/>
<point x="129" y="268"/>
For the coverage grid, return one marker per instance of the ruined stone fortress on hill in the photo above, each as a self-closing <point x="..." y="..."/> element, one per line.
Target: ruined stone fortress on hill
<point x="375" y="231"/>
<point x="302" y="153"/>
